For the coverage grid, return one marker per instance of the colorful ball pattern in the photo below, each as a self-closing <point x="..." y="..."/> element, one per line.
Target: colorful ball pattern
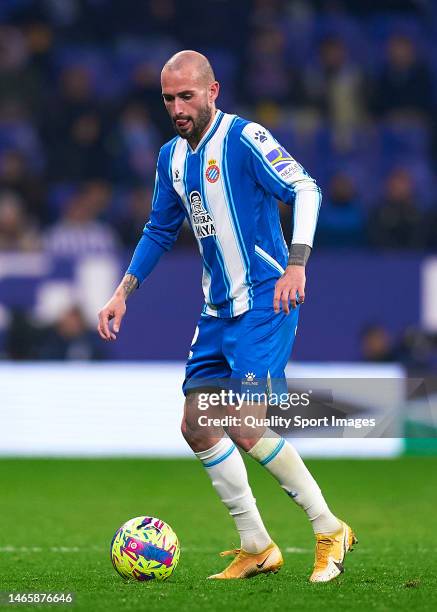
<point x="145" y="548"/>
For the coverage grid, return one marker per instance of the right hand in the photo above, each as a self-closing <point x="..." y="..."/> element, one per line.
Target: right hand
<point x="114" y="311"/>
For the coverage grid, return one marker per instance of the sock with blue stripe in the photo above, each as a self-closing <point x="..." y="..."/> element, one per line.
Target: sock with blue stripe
<point x="282" y="460"/>
<point x="227" y="471"/>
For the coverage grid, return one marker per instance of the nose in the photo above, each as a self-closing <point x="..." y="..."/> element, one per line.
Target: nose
<point x="178" y="107"/>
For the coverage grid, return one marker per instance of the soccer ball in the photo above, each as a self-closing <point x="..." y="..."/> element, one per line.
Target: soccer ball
<point x="145" y="548"/>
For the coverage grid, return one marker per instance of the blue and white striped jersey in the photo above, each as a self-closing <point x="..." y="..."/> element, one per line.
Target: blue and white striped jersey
<point x="228" y="188"/>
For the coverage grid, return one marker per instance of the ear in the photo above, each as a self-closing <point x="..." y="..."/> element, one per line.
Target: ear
<point x="214" y="90"/>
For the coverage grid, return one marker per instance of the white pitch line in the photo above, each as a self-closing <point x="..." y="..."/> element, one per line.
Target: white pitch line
<point x="78" y="549"/>
<point x="37" y="549"/>
<point x="290" y="550"/>
<point x="297" y="551"/>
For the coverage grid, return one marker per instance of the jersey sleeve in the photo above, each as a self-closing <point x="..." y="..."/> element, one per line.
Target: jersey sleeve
<point x="281" y="176"/>
<point x="163" y="227"/>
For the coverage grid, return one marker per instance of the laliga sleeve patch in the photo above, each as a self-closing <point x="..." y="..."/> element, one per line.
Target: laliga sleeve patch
<point x="276" y="156"/>
<point x="282" y="162"/>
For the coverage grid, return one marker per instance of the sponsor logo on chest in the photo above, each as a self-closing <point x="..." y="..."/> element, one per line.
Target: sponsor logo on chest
<point x="202" y="221"/>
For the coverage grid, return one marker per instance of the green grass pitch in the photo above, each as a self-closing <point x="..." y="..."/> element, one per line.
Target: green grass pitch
<point x="58" y="517"/>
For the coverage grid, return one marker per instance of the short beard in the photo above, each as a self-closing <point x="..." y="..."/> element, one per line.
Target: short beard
<point x="198" y="126"/>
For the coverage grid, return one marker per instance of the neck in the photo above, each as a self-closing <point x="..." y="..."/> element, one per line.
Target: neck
<point x="193" y="141"/>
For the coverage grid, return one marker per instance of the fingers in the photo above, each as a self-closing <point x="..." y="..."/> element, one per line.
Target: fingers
<point x="301" y="291"/>
<point x="276" y="298"/>
<point x="117" y="322"/>
<point x="114" y="310"/>
<point x="286" y="296"/>
<point x="281" y="298"/>
<point x="285" y="300"/>
<point x="103" y="327"/>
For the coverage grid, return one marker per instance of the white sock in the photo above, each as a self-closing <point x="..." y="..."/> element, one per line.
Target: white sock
<point x="283" y="461"/>
<point x="227" y="471"/>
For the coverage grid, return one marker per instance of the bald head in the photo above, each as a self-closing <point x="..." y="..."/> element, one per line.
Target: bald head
<point x="191" y="62"/>
<point x="189" y="91"/>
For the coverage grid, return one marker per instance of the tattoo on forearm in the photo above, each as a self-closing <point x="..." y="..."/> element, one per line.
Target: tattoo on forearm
<point x="129" y="284"/>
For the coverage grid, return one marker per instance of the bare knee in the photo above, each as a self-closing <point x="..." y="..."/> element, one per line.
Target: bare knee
<point x="245" y="437"/>
<point x="245" y="443"/>
<point x="196" y="431"/>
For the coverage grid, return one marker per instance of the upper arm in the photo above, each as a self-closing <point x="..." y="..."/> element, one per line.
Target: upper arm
<point x="272" y="166"/>
<point x="167" y="214"/>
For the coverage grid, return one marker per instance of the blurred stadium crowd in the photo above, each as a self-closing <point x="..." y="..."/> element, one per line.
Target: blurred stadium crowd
<point x="81" y="119"/>
<point x="349" y="88"/>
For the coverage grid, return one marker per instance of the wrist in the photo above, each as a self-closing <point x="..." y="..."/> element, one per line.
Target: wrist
<point x="299" y="255"/>
<point x="120" y="293"/>
<point x="293" y="266"/>
<point x="126" y="287"/>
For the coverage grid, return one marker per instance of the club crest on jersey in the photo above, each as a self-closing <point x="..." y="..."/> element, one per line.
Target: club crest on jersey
<point x="202" y="221"/>
<point x="282" y="161"/>
<point x="212" y="173"/>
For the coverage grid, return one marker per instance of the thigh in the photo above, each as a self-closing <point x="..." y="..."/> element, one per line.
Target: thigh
<point x="258" y="347"/>
<point x="206" y="365"/>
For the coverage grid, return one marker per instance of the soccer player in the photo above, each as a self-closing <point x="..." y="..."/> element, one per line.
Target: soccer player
<point x="225" y="174"/>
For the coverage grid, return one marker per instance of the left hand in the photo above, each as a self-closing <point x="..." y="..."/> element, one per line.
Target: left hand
<point x="291" y="282"/>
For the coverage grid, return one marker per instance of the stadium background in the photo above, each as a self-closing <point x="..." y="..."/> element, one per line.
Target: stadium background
<point x="352" y="95"/>
<point x="350" y="89"/>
